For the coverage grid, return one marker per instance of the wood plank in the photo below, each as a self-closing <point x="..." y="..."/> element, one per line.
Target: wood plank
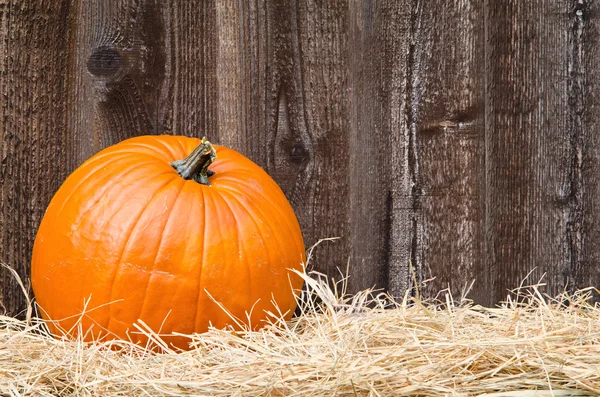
<point x="321" y="196"/>
<point x="381" y="212"/>
<point x="447" y="108"/>
<point x="583" y="124"/>
<point x="137" y="72"/>
<point x="37" y="147"/>
<point x="533" y="193"/>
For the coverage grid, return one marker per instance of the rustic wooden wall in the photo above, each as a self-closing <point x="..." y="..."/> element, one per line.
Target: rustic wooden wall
<point x="456" y="136"/>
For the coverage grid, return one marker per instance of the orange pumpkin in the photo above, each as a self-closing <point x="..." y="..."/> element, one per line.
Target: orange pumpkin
<point x="135" y="234"/>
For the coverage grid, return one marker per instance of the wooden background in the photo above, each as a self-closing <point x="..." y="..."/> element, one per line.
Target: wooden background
<point x="460" y="136"/>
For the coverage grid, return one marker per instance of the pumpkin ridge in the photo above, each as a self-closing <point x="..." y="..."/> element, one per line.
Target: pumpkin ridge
<point x="258" y="228"/>
<point x="81" y="182"/>
<point x="160" y="139"/>
<point x="109" y="187"/>
<point x="99" y="169"/>
<point x="240" y="244"/>
<point x="109" y="220"/>
<point x="212" y="214"/>
<point x="236" y="171"/>
<point x="199" y="278"/>
<point x="156" y="145"/>
<point x="208" y="215"/>
<point x="272" y="206"/>
<point x="227" y="265"/>
<point x="162" y="235"/>
<point x="184" y="149"/>
<point x="119" y="263"/>
<point x="109" y="152"/>
<point x="229" y="185"/>
<point x="155" y="153"/>
<point x="275" y="236"/>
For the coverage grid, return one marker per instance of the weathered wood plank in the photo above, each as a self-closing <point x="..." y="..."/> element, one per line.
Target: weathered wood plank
<point x="583" y="124"/>
<point x="382" y="215"/>
<point x="37" y="147"/>
<point x="447" y="117"/>
<point x="367" y="151"/>
<point x="533" y="198"/>
<point x="321" y="199"/>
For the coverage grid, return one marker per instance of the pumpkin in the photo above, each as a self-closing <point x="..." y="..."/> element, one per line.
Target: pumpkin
<point x="144" y="230"/>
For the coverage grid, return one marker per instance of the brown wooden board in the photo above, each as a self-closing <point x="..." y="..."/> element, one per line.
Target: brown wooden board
<point x="534" y="145"/>
<point x="38" y="148"/>
<point x="447" y="102"/>
<point x="456" y="138"/>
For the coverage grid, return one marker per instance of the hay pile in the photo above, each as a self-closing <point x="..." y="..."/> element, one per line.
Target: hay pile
<point x="362" y="345"/>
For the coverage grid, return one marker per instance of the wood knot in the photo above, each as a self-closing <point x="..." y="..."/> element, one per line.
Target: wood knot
<point x="298" y="153"/>
<point x="104" y="62"/>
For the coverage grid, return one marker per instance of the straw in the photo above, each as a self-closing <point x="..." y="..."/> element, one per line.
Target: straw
<point x="365" y="344"/>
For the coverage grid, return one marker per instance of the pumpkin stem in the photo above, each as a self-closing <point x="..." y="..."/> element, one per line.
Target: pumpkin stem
<point x="195" y="166"/>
